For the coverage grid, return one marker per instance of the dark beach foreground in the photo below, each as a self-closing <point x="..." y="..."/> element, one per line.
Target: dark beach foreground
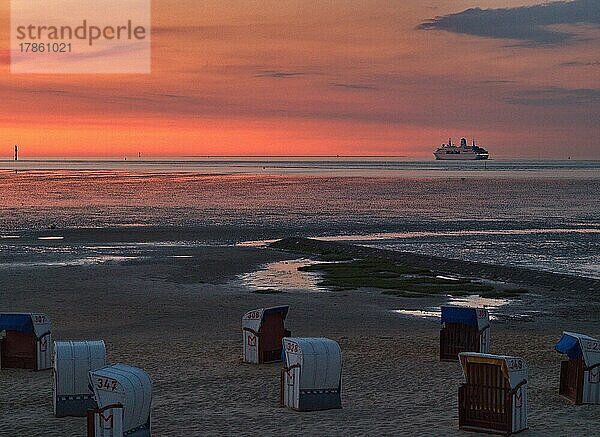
<point x="179" y="319"/>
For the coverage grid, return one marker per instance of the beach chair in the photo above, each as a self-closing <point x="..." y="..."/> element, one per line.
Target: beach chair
<point x="580" y="374"/>
<point x="262" y="332"/>
<point x="311" y="378"/>
<point x="123" y="396"/>
<point x="73" y="361"/>
<point x="493" y="398"/>
<point x="464" y="329"/>
<point x="25" y="341"/>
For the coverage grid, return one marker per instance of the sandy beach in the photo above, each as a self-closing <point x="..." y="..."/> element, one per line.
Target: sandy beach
<point x="179" y="319"/>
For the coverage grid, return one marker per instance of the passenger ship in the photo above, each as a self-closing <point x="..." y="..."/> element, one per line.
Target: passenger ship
<point x="462" y="152"/>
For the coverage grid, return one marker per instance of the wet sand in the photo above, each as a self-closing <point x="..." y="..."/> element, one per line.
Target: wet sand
<point x="179" y="319"/>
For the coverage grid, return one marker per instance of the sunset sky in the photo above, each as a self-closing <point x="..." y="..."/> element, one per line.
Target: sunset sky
<point x="347" y="77"/>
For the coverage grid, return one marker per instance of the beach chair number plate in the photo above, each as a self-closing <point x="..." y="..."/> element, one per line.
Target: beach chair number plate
<point x="106" y="384"/>
<point x="254" y="315"/>
<point x="292" y="347"/>
<point x="515" y="364"/>
<point x="590" y="345"/>
<point x="39" y="319"/>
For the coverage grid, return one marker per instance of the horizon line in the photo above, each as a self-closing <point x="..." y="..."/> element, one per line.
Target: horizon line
<point x="201" y="158"/>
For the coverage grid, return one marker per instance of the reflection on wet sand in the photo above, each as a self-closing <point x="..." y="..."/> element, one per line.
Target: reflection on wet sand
<point x="284" y="276"/>
<point x="498" y="308"/>
<point x="473" y="301"/>
<point x="72" y="262"/>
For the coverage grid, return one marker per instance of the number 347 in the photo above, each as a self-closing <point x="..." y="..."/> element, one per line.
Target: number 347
<point x="106" y="384"/>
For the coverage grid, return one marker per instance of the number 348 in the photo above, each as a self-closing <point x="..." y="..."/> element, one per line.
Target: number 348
<point x="515" y="364"/>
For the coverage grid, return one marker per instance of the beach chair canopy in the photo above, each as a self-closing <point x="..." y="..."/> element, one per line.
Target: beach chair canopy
<point x="129" y="386"/>
<point x="73" y="360"/>
<point x="577" y="346"/>
<point x="253" y="319"/>
<point x="513" y="368"/>
<point x="478" y="317"/>
<point x="25" y="322"/>
<point x="320" y="361"/>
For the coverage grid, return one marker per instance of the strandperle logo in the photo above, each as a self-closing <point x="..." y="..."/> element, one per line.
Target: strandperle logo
<point x="89" y="33"/>
<point x="80" y="36"/>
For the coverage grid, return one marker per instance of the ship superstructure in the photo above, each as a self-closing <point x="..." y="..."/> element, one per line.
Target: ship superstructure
<point x="463" y="152"/>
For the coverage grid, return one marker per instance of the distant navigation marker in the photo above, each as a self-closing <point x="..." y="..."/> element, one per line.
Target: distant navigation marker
<point x="16" y="152"/>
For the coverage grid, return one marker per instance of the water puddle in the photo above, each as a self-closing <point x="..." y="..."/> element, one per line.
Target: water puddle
<point x="256" y="243"/>
<point x="476" y="301"/>
<point x="74" y="262"/>
<point x="448" y="278"/>
<point x="473" y="301"/>
<point x="376" y="236"/>
<point x="284" y="276"/>
<point x="426" y="314"/>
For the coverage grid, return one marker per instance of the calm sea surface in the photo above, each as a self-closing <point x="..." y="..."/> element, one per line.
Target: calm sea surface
<point x="541" y="214"/>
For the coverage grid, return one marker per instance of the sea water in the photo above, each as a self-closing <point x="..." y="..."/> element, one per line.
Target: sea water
<point x="539" y="214"/>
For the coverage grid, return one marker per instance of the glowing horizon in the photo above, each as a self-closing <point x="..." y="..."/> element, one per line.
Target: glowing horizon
<point x="304" y="78"/>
